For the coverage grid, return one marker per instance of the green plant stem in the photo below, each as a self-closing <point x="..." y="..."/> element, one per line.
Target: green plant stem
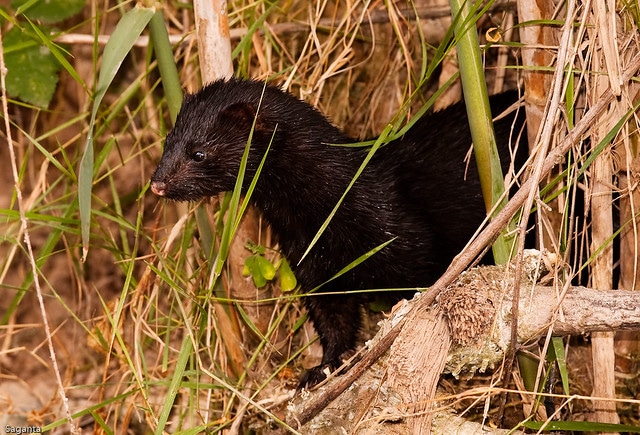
<point x="480" y="118"/>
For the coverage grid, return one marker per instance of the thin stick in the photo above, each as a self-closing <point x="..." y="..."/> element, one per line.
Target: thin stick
<point x="375" y="17"/>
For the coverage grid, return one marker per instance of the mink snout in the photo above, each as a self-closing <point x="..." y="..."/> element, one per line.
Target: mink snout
<point x="159" y="188"/>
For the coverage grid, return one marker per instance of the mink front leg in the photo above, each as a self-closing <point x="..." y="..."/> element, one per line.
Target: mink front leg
<point x="336" y="319"/>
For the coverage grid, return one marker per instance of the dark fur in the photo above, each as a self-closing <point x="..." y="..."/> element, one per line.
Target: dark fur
<point x="417" y="190"/>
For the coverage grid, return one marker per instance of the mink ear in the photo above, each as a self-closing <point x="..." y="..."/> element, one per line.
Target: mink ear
<point x="241" y="115"/>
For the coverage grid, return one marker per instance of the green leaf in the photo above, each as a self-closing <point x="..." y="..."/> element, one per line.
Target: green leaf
<point x="254" y="270"/>
<point x="32" y="70"/>
<point x="245" y="270"/>
<point x="125" y="34"/>
<point x="480" y="118"/>
<point x="258" y="280"/>
<point x="266" y="267"/>
<point x="379" y="304"/>
<point x="288" y="280"/>
<point x="48" y="11"/>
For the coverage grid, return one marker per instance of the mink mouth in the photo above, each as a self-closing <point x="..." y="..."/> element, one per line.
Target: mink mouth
<point x="159" y="188"/>
<point x="180" y="194"/>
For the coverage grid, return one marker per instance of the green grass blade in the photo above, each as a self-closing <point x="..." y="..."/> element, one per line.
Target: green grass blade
<point x="176" y="381"/>
<point x="89" y="410"/>
<point x="120" y="43"/>
<point x="384" y="138"/>
<point x="58" y="53"/>
<point x="355" y="262"/>
<point x="234" y="214"/>
<point x="166" y="64"/>
<point x="246" y="42"/>
<point x="561" y="360"/>
<point x="253" y="183"/>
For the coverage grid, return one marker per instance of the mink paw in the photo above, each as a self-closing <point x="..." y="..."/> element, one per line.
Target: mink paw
<point x="316" y="375"/>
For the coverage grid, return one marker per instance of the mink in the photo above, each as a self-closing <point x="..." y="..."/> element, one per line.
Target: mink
<point x="418" y="191"/>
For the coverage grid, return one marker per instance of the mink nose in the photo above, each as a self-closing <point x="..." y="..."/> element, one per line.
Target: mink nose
<point x="159" y="188"/>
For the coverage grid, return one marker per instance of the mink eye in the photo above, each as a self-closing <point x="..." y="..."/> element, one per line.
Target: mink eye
<point x="198" y="156"/>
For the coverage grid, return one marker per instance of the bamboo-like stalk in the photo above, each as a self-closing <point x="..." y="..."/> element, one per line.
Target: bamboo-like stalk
<point x="474" y="88"/>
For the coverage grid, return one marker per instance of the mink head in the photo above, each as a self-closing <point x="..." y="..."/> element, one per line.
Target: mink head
<point x="202" y="153"/>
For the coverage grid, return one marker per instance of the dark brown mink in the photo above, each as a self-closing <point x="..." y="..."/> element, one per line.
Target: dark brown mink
<point x="417" y="190"/>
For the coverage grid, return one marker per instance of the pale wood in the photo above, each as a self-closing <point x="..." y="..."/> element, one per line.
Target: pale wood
<point x="602" y="344"/>
<point x="416" y="360"/>
<point x="214" y="44"/>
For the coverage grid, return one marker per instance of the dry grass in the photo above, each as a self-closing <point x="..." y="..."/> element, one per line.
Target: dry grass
<point x="142" y="303"/>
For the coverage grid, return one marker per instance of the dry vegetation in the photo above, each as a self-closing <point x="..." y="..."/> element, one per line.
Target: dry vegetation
<point x="139" y="336"/>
